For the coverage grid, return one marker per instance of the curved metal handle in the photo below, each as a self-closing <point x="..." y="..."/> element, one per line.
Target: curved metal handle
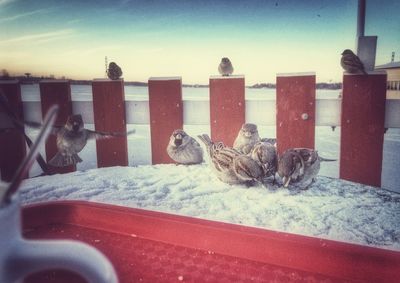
<point x="30" y="158"/>
<point x="32" y="256"/>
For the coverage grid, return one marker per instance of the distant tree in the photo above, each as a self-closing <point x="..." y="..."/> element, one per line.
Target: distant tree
<point x="28" y="75"/>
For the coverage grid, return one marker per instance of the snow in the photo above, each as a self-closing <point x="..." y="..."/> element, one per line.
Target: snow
<point x="330" y="208"/>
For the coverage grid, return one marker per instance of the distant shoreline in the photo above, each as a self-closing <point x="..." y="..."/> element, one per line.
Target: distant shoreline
<point x="36" y="80"/>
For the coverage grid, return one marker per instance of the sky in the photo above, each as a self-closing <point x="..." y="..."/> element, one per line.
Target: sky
<point x="186" y="38"/>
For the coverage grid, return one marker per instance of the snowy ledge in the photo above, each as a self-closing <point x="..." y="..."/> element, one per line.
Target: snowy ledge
<point x="331" y="208"/>
<point x="107" y="80"/>
<point x="165" y="79"/>
<point x="226" y="77"/>
<point x="302" y="74"/>
<point x="375" y="72"/>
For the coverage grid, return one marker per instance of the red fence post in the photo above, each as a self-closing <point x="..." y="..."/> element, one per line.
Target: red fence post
<point x="362" y="128"/>
<point x="12" y="142"/>
<point x="166" y="115"/>
<point x="227" y="107"/>
<point x="295" y="112"/>
<point x="109" y="116"/>
<point x="56" y="92"/>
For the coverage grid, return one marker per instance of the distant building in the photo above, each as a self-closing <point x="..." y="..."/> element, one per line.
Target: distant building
<point x="393" y="79"/>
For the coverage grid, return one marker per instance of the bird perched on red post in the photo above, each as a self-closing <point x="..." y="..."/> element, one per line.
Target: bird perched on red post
<point x="351" y="63"/>
<point x="114" y="71"/>
<point x="225" y="68"/>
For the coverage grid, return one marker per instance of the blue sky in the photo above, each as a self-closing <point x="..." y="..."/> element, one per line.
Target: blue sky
<point x="188" y="38"/>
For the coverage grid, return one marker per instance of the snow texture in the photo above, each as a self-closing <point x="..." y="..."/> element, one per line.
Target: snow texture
<point x="330" y="208"/>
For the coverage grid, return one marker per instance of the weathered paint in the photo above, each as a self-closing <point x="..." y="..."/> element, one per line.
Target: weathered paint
<point x="295" y="102"/>
<point x="166" y="115"/>
<point x="362" y="130"/>
<point x="53" y="92"/>
<point x="227" y="108"/>
<point x="13" y="148"/>
<point x="109" y="116"/>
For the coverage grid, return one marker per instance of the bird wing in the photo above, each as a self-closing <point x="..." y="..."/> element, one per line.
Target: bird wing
<point x="353" y="61"/>
<point x="36" y="125"/>
<point x="106" y="135"/>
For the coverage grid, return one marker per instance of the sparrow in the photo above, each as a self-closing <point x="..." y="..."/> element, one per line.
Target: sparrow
<point x="114" y="72"/>
<point x="266" y="156"/>
<point x="246" y="138"/>
<point x="231" y="166"/>
<point x="72" y="138"/>
<point x="225" y="67"/>
<point x="269" y="140"/>
<point x="299" y="165"/>
<point x="351" y="63"/>
<point x="184" y="149"/>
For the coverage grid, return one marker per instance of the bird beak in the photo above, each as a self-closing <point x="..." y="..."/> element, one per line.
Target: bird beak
<point x="286" y="181"/>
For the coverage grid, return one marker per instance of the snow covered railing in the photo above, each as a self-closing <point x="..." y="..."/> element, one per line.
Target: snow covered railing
<point x="295" y="113"/>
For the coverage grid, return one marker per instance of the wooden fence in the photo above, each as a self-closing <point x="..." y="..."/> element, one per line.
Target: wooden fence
<point x="363" y="114"/>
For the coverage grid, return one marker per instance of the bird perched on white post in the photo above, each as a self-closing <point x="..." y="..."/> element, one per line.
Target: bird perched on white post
<point x="351" y="63"/>
<point x="184" y="149"/>
<point x="225" y="68"/>
<point x="246" y="138"/>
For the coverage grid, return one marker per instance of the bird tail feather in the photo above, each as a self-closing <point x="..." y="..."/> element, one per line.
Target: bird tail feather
<point x="60" y="160"/>
<point x="326" y="159"/>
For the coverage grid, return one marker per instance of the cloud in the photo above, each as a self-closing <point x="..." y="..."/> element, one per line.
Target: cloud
<point x="22" y="15"/>
<point x="5" y="2"/>
<point x="32" y="38"/>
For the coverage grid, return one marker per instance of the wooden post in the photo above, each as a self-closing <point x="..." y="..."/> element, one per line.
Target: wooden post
<point x="227" y="107"/>
<point x="12" y="141"/>
<point x="56" y="92"/>
<point x="166" y="114"/>
<point x="295" y="118"/>
<point x="109" y="116"/>
<point x="362" y="128"/>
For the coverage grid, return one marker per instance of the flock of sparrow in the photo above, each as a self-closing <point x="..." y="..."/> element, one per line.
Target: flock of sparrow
<point x="251" y="160"/>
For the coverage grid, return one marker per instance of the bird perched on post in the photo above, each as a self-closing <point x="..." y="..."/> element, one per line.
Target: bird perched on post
<point x="230" y="165"/>
<point x="225" y="68"/>
<point x="114" y="72"/>
<point x="184" y="149"/>
<point x="72" y="138"/>
<point x="265" y="155"/>
<point x="299" y="165"/>
<point x="246" y="138"/>
<point x="351" y="63"/>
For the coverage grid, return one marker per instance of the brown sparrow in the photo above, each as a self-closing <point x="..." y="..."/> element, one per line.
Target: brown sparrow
<point x="230" y="165"/>
<point x="114" y="71"/>
<point x="265" y="155"/>
<point x="72" y="138"/>
<point x="184" y="149"/>
<point x="246" y="138"/>
<point x="299" y="165"/>
<point x="351" y="63"/>
<point x="225" y="67"/>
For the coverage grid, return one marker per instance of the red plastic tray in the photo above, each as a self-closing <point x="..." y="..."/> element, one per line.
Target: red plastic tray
<point x="146" y="246"/>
